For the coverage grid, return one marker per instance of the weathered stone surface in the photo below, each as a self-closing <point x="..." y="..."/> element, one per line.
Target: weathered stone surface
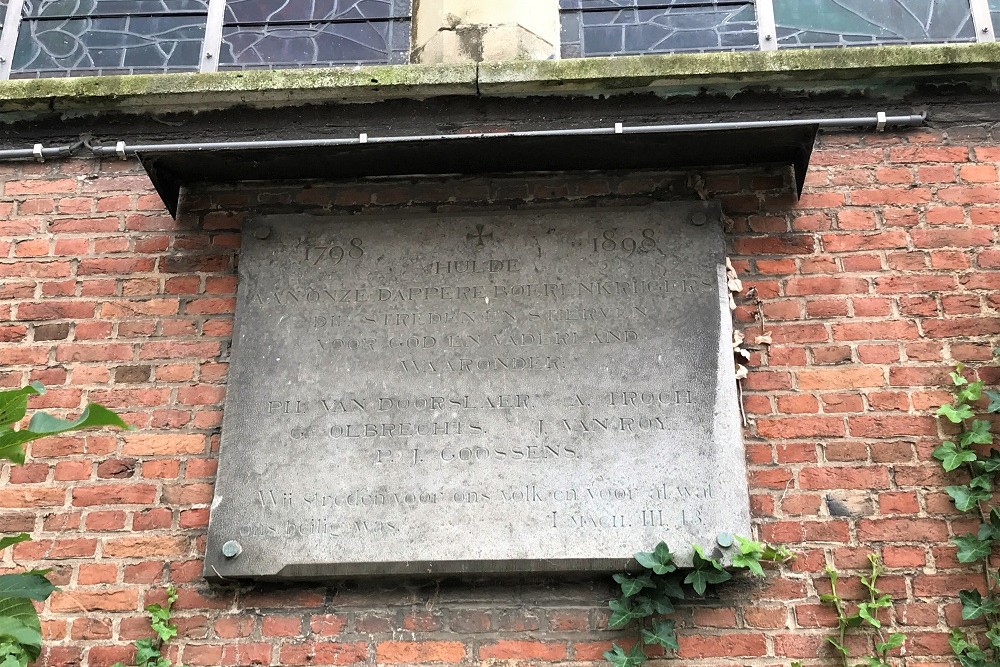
<point x="526" y="391"/>
<point x="456" y="31"/>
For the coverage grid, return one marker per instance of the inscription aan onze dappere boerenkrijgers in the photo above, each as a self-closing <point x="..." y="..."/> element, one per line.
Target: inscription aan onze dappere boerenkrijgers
<point x="329" y="294"/>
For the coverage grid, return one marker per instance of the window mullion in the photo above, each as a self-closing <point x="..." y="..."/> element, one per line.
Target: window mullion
<point x="985" y="30"/>
<point x="766" y="31"/>
<point x="8" y="40"/>
<point x="213" y="36"/>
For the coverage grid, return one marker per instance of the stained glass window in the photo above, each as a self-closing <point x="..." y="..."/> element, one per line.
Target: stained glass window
<point x="290" y="33"/>
<point x="84" y="37"/>
<point x="859" y="22"/>
<point x="619" y="27"/>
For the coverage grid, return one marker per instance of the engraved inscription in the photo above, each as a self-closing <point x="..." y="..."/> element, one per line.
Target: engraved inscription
<point x="419" y="394"/>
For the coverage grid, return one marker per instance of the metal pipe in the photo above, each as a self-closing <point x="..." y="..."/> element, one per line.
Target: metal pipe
<point x="879" y="121"/>
<point x="39" y="152"/>
<point x="123" y="150"/>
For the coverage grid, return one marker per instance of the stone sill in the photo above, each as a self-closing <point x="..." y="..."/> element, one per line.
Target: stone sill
<point x="886" y="68"/>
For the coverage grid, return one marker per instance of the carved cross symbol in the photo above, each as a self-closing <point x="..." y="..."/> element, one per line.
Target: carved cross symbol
<point x="479" y="236"/>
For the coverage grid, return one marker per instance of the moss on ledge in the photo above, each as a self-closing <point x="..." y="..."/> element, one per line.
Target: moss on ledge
<point x="891" y="67"/>
<point x="820" y="69"/>
<point x="195" y="92"/>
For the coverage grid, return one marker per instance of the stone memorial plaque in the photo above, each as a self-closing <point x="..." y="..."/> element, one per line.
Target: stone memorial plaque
<point x="478" y="392"/>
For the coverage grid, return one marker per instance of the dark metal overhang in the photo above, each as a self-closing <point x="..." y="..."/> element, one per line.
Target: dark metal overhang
<point x="172" y="166"/>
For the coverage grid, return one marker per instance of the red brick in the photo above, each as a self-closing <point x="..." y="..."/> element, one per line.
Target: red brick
<point x="40" y="186"/>
<point x="839" y="378"/>
<point x="910" y="530"/>
<point x="877" y="241"/>
<point x="392" y="652"/>
<point x="797" y="427"/>
<point x="511" y="649"/>
<point x="898" y="330"/>
<point x="775" y="245"/>
<point x="114" y="494"/>
<point x="890" y="196"/>
<point x="162" y="444"/>
<point x="331" y="653"/>
<point x="890" y="426"/>
<point x="746" y="645"/>
<point x="844" y="478"/>
<point x="89" y="601"/>
<point x="56" y="310"/>
<point x="825" y="285"/>
<point x="905" y="154"/>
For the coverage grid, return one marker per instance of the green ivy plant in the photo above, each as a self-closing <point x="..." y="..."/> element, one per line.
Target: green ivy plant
<point x="20" y="630"/>
<point x="649" y="595"/>
<point x="148" y="652"/>
<point x="965" y="450"/>
<point x="866" y="615"/>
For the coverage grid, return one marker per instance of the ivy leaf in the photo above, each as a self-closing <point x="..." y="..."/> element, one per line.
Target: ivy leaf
<point x="989" y="465"/>
<point x="659" y="560"/>
<point x="972" y="392"/>
<point x="971" y="548"/>
<point x="42" y="425"/>
<point x="619" y="658"/>
<point x="952" y="457"/>
<point x="894" y="641"/>
<point x="14" y="403"/>
<point x="994" y="397"/>
<point x="145" y="652"/>
<point x="662" y="604"/>
<point x="165" y="631"/>
<point x="956" y="376"/>
<point x="973" y="656"/>
<point x="974" y="606"/>
<point x="749" y="562"/>
<point x="967" y="497"/>
<point x="31" y="585"/>
<point x="670" y="587"/>
<point x="959" y="644"/>
<point x="11" y="540"/>
<point x="706" y="571"/>
<point x="19" y="632"/>
<point x="955" y="414"/>
<point x="777" y="554"/>
<point x="750" y="555"/>
<point x="632" y="585"/>
<point x="642" y="606"/>
<point x="23" y="611"/>
<point x="621" y="613"/>
<point x="662" y="634"/>
<point x="993" y="634"/>
<point x="865" y="612"/>
<point x="978" y="433"/>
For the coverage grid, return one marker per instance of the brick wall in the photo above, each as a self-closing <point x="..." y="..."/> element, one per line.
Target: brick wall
<point x="884" y="273"/>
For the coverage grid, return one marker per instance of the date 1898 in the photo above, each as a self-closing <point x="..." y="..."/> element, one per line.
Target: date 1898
<point x="628" y="244"/>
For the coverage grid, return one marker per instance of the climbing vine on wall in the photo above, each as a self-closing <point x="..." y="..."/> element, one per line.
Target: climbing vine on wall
<point x="647" y="596"/>
<point x="965" y="453"/>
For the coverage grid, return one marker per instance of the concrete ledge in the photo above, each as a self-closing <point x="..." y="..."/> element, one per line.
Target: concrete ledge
<point x="200" y="92"/>
<point x="889" y="69"/>
<point x="791" y="69"/>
